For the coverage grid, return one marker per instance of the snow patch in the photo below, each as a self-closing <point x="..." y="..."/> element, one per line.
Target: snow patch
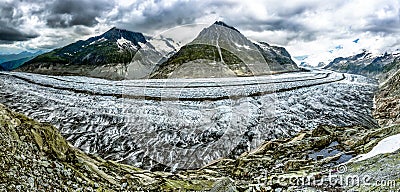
<point x="142" y="45"/>
<point x="125" y="44"/>
<point x="388" y="145"/>
<point x="98" y="41"/>
<point x="263" y="46"/>
<point x="164" y="45"/>
<point x="243" y="46"/>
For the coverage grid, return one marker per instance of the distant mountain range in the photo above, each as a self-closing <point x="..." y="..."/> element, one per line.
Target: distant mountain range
<point x="12" y="61"/>
<point x="218" y="51"/>
<point x="366" y="63"/>
<point x="307" y="65"/>
<point x="10" y="57"/>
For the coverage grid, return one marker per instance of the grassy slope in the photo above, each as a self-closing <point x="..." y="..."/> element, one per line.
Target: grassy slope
<point x="196" y="52"/>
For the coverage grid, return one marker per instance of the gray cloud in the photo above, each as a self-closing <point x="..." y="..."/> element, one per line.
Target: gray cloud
<point x="80" y="30"/>
<point x="147" y="16"/>
<point x="67" y="13"/>
<point x="388" y="25"/>
<point x="10" y="19"/>
<point x="10" y="14"/>
<point x="11" y="34"/>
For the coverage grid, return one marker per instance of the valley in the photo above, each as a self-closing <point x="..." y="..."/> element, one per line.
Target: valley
<point x="186" y="124"/>
<point x="197" y="107"/>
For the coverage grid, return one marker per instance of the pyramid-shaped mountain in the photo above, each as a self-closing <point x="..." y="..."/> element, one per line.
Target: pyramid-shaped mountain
<point x="222" y="51"/>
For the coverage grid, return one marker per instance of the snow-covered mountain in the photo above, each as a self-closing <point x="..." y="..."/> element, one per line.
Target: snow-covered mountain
<point x="100" y="56"/>
<point x="309" y="66"/>
<point x="364" y="63"/>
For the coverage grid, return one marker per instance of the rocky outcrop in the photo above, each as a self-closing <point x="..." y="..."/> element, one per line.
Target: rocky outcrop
<point x="379" y="173"/>
<point x="36" y="157"/>
<point x="314" y="154"/>
<point x="387" y="101"/>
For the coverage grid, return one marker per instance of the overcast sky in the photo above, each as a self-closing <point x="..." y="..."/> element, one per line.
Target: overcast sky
<point x="311" y="30"/>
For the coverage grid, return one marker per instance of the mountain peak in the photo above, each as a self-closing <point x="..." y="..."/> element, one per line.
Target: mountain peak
<point x="221" y="23"/>
<point x="118" y="30"/>
<point x="116" y="33"/>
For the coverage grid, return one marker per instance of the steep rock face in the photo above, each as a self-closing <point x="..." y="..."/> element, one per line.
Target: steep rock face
<point x="277" y="58"/>
<point x="100" y="56"/>
<point x="224" y="49"/>
<point x="380" y="168"/>
<point x="389" y="70"/>
<point x="364" y="63"/>
<point x="387" y="99"/>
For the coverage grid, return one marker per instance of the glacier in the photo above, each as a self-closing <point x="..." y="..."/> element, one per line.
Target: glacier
<point x="164" y="124"/>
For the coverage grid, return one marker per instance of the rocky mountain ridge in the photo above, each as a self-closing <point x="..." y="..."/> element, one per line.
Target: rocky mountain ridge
<point x="365" y="63"/>
<point x="121" y="54"/>
<point x="114" y="48"/>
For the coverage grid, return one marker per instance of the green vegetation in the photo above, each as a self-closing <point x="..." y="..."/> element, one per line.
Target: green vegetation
<point x="95" y="54"/>
<point x="193" y="52"/>
<point x="50" y="57"/>
<point x="201" y="51"/>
